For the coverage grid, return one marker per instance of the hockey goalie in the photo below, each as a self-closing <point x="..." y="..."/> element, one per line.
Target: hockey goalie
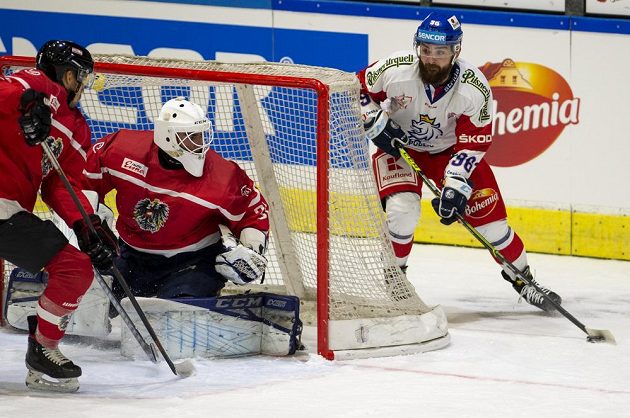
<point x="188" y="222"/>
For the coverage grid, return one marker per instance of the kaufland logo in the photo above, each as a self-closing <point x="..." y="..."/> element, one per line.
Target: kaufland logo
<point x="532" y="106"/>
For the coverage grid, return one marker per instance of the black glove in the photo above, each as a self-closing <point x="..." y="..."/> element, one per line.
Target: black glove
<point x="391" y="138"/>
<point x="102" y="247"/>
<point x="384" y="132"/>
<point x="35" y="120"/>
<point x="455" y="195"/>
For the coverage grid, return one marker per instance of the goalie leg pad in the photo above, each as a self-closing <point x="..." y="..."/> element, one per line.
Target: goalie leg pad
<point x="23" y="292"/>
<point x="229" y="326"/>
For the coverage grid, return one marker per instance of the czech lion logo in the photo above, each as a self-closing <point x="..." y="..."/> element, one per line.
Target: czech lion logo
<point x="423" y="130"/>
<point x="151" y="215"/>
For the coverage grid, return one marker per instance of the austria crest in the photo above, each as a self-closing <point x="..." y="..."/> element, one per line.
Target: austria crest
<point x="151" y="215"/>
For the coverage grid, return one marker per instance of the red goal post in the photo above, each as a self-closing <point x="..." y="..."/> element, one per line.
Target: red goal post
<point x="297" y="131"/>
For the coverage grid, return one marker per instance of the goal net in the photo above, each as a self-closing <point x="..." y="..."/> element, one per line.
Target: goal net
<point x="297" y="131"/>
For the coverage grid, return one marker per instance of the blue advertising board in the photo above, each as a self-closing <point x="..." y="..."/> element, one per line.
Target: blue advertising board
<point x="142" y="36"/>
<point x="309" y="47"/>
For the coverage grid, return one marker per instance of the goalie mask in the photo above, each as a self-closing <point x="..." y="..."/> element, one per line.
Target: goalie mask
<point x="183" y="131"/>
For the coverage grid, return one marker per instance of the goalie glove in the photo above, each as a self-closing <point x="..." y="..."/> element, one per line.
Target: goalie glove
<point x="380" y="129"/>
<point x="239" y="264"/>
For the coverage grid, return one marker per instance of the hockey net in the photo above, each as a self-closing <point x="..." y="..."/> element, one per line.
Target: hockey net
<point x="297" y="131"/>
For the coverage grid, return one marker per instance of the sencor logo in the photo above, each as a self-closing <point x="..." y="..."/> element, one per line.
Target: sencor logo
<point x="533" y="104"/>
<point x="431" y="37"/>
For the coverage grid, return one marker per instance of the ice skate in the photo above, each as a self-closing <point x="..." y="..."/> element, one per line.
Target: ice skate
<point x="530" y="294"/>
<point x="49" y="369"/>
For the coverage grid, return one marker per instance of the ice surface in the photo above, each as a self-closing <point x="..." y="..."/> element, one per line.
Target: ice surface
<point x="505" y="359"/>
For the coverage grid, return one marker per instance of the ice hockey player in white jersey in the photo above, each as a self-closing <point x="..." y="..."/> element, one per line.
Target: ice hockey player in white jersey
<point x="439" y="108"/>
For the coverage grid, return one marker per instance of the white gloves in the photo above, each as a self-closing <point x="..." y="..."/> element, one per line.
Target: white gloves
<point x="239" y="264"/>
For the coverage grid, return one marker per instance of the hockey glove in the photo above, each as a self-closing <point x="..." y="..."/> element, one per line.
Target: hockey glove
<point x="455" y="195"/>
<point x="382" y="131"/>
<point x="35" y="120"/>
<point x="239" y="264"/>
<point x="102" y="247"/>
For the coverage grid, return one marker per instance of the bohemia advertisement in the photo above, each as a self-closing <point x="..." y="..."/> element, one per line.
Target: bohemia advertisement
<point x="533" y="104"/>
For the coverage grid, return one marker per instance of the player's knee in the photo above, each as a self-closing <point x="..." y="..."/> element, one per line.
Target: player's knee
<point x="497" y="232"/>
<point x="72" y="268"/>
<point x="83" y="274"/>
<point x="403" y="212"/>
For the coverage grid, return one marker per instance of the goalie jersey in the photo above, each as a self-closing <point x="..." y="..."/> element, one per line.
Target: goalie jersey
<point x="168" y="211"/>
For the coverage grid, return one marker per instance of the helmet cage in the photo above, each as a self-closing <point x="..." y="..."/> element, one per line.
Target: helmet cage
<point x="195" y="139"/>
<point x="183" y="131"/>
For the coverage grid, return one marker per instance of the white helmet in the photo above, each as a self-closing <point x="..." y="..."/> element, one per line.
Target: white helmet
<point x="184" y="132"/>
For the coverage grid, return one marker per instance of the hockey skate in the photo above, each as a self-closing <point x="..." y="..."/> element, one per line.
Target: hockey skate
<point x="48" y="369"/>
<point x="530" y="294"/>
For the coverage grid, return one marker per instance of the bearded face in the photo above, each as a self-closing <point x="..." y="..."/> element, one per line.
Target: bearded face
<point x="436" y="62"/>
<point x="434" y="73"/>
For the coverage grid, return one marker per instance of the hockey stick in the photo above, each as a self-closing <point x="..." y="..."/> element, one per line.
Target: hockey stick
<point x="149" y="349"/>
<point x="183" y="369"/>
<point x="594" y="335"/>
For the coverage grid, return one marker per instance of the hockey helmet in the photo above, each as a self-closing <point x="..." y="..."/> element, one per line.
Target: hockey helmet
<point x="55" y="57"/>
<point x="439" y="28"/>
<point x="183" y="131"/>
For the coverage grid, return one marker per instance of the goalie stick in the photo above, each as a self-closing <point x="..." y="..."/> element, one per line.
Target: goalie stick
<point x="183" y="369"/>
<point x="593" y="335"/>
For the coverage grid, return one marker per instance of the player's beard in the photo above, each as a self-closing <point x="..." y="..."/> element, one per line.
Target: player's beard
<point x="433" y="74"/>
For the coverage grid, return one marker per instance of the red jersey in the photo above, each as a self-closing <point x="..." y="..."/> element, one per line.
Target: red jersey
<point x="168" y="211"/>
<point x="25" y="169"/>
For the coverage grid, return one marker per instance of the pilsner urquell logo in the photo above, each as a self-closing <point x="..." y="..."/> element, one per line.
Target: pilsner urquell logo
<point x="532" y="105"/>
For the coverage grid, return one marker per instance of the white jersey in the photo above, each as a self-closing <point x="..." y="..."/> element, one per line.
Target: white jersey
<point x="457" y="114"/>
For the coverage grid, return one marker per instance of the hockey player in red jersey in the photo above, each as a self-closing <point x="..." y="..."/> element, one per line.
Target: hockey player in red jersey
<point x="39" y="105"/>
<point x="172" y="194"/>
<point x="439" y="108"/>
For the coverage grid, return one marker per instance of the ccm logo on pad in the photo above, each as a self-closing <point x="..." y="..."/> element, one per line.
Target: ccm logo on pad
<point x="135" y="167"/>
